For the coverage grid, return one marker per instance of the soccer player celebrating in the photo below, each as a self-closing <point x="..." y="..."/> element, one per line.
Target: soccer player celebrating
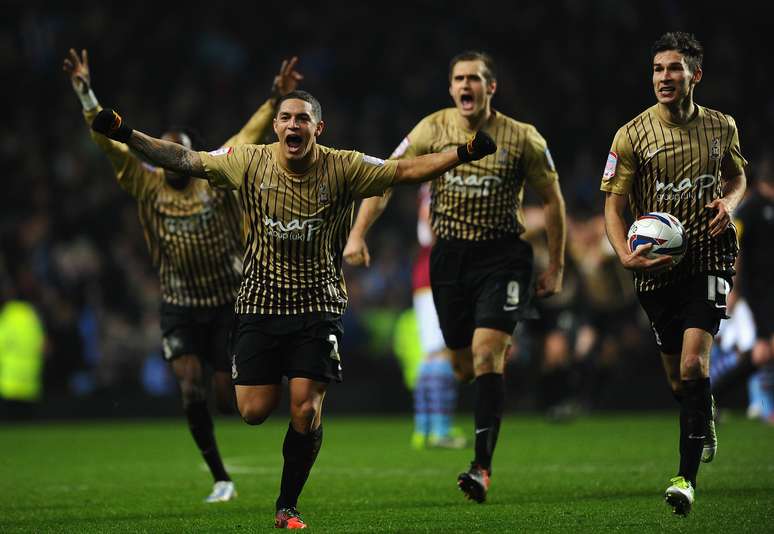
<point x="195" y="238"/>
<point x="480" y="269"/>
<point x="684" y="159"/>
<point x="298" y="202"/>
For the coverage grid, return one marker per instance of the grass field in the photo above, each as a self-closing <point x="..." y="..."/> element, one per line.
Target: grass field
<point x="598" y="474"/>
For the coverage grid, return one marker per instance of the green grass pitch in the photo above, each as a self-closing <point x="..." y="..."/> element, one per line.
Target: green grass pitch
<point x="598" y="474"/>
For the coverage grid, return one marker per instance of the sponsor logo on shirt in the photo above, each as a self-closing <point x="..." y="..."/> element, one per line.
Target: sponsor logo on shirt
<point x="294" y="230"/>
<point x="401" y="148"/>
<point x="472" y="185"/>
<point x="686" y="188"/>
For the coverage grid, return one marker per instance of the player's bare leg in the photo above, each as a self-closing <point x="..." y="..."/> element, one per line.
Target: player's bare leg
<point x="302" y="443"/>
<point x="489" y="348"/>
<point x="256" y="403"/>
<point x="190" y="376"/>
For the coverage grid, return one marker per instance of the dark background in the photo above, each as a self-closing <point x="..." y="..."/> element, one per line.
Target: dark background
<point x="70" y="240"/>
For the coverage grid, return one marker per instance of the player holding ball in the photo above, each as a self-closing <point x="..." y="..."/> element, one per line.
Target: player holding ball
<point x="684" y="160"/>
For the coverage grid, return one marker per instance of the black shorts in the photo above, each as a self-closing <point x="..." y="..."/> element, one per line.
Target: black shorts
<point x="200" y="331"/>
<point x="696" y="302"/>
<point x="268" y="347"/>
<point x="481" y="284"/>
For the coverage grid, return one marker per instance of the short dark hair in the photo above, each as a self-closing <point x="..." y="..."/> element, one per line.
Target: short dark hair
<point x="475" y="55"/>
<point x="306" y="97"/>
<point x="685" y="43"/>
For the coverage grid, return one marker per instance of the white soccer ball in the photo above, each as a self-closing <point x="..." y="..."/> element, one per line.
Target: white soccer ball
<point x="663" y="230"/>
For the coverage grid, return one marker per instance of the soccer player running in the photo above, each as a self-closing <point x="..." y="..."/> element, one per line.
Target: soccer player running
<point x="684" y="159"/>
<point x="481" y="271"/>
<point x="195" y="238"/>
<point x="298" y="202"/>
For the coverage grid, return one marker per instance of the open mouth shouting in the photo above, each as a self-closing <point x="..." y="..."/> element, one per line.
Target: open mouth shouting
<point x="467" y="102"/>
<point x="294" y="143"/>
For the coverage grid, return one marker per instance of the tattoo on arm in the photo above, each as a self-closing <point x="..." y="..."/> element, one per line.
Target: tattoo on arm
<point x="168" y="155"/>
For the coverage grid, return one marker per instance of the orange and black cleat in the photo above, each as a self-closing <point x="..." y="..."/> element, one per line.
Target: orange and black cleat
<point x="474" y="483"/>
<point x="288" y="518"/>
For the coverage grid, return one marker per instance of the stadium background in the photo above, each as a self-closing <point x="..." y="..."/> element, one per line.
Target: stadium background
<point x="70" y="242"/>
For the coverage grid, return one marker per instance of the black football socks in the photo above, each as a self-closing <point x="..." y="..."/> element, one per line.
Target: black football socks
<point x="490" y="397"/>
<point x="200" y="424"/>
<point x="695" y="413"/>
<point x="300" y="452"/>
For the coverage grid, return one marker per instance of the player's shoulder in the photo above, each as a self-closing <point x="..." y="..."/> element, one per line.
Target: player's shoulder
<point x="336" y="153"/>
<point x="438" y="118"/>
<point x="717" y="117"/>
<point x="647" y="115"/>
<point x="501" y="119"/>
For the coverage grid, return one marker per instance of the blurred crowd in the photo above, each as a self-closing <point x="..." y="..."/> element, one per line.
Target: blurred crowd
<point x="70" y="241"/>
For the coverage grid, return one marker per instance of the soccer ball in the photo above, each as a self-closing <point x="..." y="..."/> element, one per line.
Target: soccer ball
<point x="665" y="231"/>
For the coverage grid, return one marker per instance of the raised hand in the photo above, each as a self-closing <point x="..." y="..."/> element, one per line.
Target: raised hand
<point x="481" y="145"/>
<point x="287" y="79"/>
<point x="77" y="68"/>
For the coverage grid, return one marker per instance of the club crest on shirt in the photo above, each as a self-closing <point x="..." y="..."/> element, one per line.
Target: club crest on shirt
<point x="323" y="197"/>
<point x="502" y="156"/>
<point x="610" y="166"/>
<point x="715" y="152"/>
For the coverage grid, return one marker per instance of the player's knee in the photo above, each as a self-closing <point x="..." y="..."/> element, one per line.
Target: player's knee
<point x="691" y="367"/>
<point x="254" y="413"/>
<point x="487" y="357"/>
<point x="303" y="415"/>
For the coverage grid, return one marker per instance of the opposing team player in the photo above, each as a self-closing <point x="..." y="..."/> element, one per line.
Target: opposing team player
<point x="195" y="238"/>
<point x="684" y="159"/>
<point x="481" y="271"/>
<point x="298" y="203"/>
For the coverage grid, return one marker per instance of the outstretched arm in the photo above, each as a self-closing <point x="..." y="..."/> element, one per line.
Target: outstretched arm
<point x="131" y="174"/>
<point x="430" y="166"/>
<point x="162" y="153"/>
<point x="410" y="171"/>
<point x="166" y="154"/>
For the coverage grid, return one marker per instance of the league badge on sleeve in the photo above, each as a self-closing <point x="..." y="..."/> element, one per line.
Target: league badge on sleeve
<point x="373" y="161"/>
<point x="222" y="151"/>
<point x="610" y="166"/>
<point x="401" y="148"/>
<point x="550" y="160"/>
